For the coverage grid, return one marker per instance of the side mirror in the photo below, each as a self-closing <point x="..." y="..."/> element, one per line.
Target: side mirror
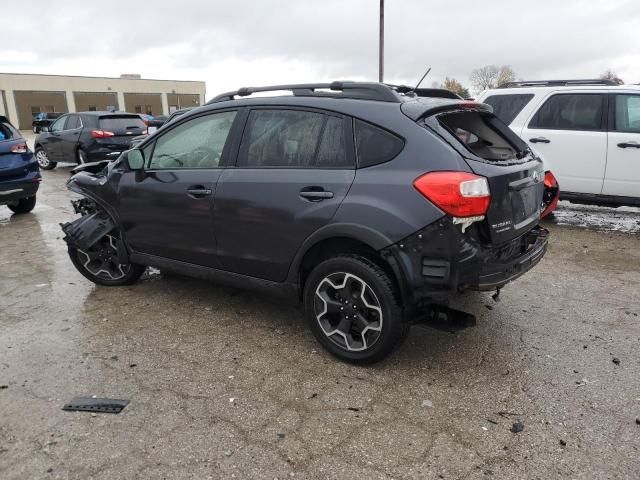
<point x="134" y="159"/>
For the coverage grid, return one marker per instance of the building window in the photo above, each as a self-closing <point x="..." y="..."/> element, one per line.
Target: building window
<point x="148" y="110"/>
<point x="35" y="110"/>
<point x="49" y="108"/>
<point x="138" y="108"/>
<point x="92" y="108"/>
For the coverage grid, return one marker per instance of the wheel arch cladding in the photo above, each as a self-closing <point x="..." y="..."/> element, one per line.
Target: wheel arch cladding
<point x="359" y="241"/>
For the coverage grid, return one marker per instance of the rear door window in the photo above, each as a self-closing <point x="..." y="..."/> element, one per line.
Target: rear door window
<point x="294" y="139"/>
<point x="627" y="114"/>
<point x="375" y="145"/>
<point x="507" y="107"/>
<point x="73" y="122"/>
<point x="571" y="111"/>
<point x="121" y="124"/>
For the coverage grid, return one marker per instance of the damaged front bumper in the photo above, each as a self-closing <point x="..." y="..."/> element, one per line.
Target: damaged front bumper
<point x="441" y="261"/>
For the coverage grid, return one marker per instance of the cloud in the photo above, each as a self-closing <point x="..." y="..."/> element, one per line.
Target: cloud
<point x="229" y="44"/>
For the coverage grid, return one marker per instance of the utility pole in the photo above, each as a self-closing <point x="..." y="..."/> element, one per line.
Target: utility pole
<point x="381" y="45"/>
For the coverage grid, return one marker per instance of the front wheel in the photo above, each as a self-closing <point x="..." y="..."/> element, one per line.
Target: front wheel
<point x="101" y="265"/>
<point x="43" y="159"/>
<point x="24" y="205"/>
<point x="353" y="310"/>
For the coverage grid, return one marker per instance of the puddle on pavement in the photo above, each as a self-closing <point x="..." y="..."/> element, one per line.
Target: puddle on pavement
<point x="605" y="219"/>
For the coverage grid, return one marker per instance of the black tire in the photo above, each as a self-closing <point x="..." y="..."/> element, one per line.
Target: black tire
<point x="363" y="284"/>
<point x="24" y="205"/>
<point x="43" y="159"/>
<point x="104" y="269"/>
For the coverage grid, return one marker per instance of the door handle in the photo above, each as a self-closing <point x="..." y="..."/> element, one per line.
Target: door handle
<point x="539" y="140"/>
<point x="315" y="194"/>
<point x="198" y="191"/>
<point x="629" y="145"/>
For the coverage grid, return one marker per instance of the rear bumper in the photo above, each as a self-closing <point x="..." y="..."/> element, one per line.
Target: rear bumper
<point x="13" y="191"/>
<point x="440" y="261"/>
<point x="497" y="274"/>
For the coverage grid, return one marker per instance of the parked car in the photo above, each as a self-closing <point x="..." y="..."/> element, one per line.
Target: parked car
<point x="366" y="205"/>
<point x="19" y="173"/>
<point x="87" y="137"/>
<point x="44" y="119"/>
<point x="586" y="131"/>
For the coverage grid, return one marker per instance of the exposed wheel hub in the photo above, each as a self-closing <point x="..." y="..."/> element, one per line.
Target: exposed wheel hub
<point x="348" y="311"/>
<point x="102" y="261"/>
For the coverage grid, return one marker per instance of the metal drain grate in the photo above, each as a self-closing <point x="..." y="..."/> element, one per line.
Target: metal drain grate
<point x="99" y="405"/>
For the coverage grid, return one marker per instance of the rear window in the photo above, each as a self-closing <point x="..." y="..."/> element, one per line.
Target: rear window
<point x="122" y="123"/>
<point x="484" y="134"/>
<point x="7" y="132"/>
<point x="375" y="145"/>
<point x="507" y="107"/>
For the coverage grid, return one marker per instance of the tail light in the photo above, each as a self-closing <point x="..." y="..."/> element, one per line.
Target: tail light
<point x="551" y="194"/>
<point x="101" y="134"/>
<point x="459" y="194"/>
<point x="20" y="148"/>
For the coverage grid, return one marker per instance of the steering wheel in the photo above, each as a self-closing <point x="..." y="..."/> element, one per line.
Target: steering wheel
<point x="202" y="153"/>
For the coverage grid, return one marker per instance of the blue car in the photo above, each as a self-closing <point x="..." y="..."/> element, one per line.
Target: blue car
<point x="19" y="172"/>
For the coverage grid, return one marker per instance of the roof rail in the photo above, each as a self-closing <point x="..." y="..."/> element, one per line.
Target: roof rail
<point x="357" y="90"/>
<point x="558" y="83"/>
<point x="423" y="92"/>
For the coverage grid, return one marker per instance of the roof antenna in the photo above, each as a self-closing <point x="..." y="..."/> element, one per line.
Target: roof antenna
<point x="423" y="77"/>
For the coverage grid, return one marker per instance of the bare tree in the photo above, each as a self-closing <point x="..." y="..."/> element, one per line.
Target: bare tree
<point x="491" y="76"/>
<point x="455" y="86"/>
<point x="611" y="75"/>
<point x="505" y="75"/>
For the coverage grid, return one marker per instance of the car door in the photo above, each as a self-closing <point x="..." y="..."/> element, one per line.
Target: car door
<point x="53" y="141"/>
<point x="293" y="170"/>
<point x="569" y="132"/>
<point x="166" y="210"/>
<point x="622" y="176"/>
<point x="69" y="138"/>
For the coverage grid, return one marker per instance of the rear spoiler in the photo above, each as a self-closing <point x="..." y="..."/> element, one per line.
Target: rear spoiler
<point x="425" y="107"/>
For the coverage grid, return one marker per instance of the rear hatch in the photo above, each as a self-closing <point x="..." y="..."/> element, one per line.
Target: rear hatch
<point x="14" y="154"/>
<point x="116" y="131"/>
<point x="515" y="175"/>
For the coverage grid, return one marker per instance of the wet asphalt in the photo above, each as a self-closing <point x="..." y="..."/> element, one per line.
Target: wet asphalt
<point x="228" y="384"/>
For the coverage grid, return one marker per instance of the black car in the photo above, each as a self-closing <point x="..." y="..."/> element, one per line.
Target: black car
<point x="87" y="137"/>
<point x="44" y="119"/>
<point x="370" y="206"/>
<point x="19" y="173"/>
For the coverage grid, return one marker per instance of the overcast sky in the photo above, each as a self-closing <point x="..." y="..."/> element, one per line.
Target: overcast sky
<point x="237" y="43"/>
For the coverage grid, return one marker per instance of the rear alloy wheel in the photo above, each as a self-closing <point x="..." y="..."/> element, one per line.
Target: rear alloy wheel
<point x="43" y="160"/>
<point x="352" y="309"/>
<point x="24" y="205"/>
<point x="101" y="263"/>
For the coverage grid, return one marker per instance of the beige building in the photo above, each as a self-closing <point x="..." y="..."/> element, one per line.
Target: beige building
<point x="24" y="95"/>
